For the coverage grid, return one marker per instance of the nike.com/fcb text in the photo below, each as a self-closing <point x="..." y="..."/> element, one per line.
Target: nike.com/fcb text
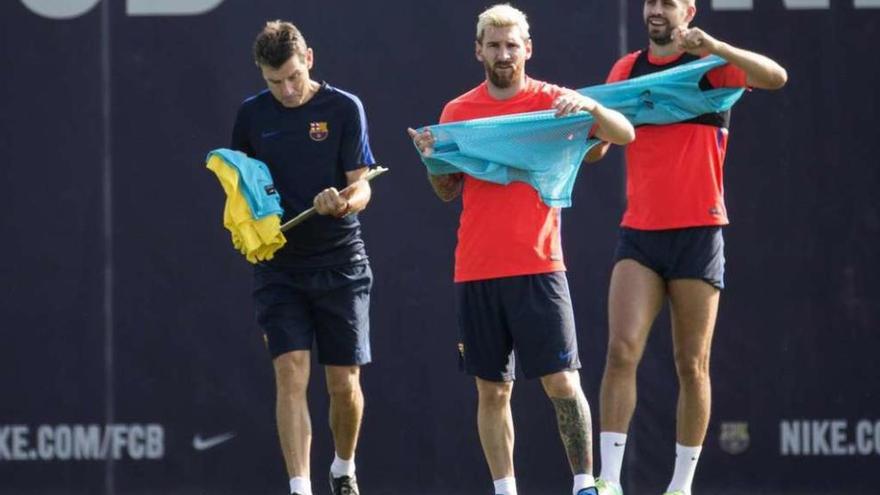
<point x="82" y="442"/>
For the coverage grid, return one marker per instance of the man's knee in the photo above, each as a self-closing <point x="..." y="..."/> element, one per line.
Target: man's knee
<point x="343" y="382"/>
<point x="494" y="394"/>
<point x="564" y="384"/>
<point x="623" y="354"/>
<point x="692" y="368"/>
<point x="292" y="373"/>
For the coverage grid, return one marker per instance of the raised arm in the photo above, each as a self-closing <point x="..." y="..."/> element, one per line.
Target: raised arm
<point x="448" y="186"/>
<point x="761" y="71"/>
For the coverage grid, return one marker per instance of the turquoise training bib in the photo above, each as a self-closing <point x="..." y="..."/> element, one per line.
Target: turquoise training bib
<point x="546" y="152"/>
<point x="255" y="181"/>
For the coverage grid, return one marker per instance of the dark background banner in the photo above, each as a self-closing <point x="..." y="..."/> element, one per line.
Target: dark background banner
<point x="128" y="330"/>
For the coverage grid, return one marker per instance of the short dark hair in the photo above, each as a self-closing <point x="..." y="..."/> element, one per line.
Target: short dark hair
<point x="277" y="42"/>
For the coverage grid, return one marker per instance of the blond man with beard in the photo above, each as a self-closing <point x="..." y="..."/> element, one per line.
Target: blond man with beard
<point x="512" y="293"/>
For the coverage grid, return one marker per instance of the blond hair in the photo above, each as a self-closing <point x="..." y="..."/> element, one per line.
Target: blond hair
<point x="502" y="15"/>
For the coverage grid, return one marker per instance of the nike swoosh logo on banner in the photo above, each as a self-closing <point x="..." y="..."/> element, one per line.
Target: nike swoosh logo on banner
<point x="200" y="443"/>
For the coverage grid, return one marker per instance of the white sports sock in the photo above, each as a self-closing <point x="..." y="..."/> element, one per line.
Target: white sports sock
<point x="341" y="467"/>
<point x="611" y="447"/>
<point x="685" y="465"/>
<point x="505" y="486"/>
<point x="582" y="481"/>
<point x="301" y="485"/>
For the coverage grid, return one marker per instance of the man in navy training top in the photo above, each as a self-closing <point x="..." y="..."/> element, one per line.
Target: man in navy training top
<point x="314" y="139"/>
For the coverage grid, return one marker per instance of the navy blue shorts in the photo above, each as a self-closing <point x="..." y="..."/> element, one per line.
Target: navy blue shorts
<point x="329" y="307"/>
<point x="694" y="252"/>
<point x="528" y="314"/>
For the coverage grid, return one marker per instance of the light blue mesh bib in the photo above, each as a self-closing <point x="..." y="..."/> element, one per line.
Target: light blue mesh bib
<point x="546" y="152"/>
<point x="255" y="182"/>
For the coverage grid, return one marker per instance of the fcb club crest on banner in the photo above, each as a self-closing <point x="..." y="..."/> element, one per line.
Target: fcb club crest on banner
<point x="318" y="131"/>
<point x="734" y="437"/>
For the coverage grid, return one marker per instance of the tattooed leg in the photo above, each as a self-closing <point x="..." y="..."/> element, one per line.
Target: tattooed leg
<point x="573" y="420"/>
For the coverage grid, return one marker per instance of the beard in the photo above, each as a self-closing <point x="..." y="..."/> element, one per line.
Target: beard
<point x="502" y="78"/>
<point x="661" y="35"/>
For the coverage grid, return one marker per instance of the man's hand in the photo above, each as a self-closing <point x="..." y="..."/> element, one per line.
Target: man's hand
<point x="330" y="202"/>
<point x="694" y="41"/>
<point x="571" y="101"/>
<point x="424" y="141"/>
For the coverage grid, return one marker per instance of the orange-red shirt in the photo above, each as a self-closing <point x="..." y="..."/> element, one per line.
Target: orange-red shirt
<point x="674" y="173"/>
<point x="504" y="230"/>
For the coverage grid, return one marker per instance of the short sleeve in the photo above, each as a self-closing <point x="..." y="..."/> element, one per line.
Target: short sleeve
<point x="356" y="152"/>
<point x="727" y="76"/>
<point x="622" y="68"/>
<point x="448" y="114"/>
<point x="240" y="133"/>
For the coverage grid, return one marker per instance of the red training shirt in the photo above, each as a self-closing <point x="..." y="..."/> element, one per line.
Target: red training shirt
<point x="507" y="230"/>
<point x="674" y="173"/>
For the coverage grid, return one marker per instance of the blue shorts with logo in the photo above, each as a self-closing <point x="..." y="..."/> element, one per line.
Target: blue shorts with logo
<point x="328" y="306"/>
<point x="694" y="252"/>
<point x="529" y="315"/>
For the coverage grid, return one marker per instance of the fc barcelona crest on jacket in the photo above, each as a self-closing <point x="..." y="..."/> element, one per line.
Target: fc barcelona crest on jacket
<point x="318" y="131"/>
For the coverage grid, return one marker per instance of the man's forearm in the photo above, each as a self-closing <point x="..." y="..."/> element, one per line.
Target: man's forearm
<point x="358" y="196"/>
<point x="762" y="72"/>
<point x="613" y="126"/>
<point x="446" y="187"/>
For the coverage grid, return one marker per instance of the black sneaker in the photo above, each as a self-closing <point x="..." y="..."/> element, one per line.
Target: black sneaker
<point x="344" y="485"/>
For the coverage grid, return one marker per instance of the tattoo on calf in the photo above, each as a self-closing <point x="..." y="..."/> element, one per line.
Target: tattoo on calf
<point x="575" y="428"/>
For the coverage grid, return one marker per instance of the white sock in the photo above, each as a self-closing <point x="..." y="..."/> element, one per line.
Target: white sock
<point x="582" y="481"/>
<point x="505" y="486"/>
<point x="611" y="447"/>
<point x="341" y="467"/>
<point x="301" y="485"/>
<point x="685" y="465"/>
